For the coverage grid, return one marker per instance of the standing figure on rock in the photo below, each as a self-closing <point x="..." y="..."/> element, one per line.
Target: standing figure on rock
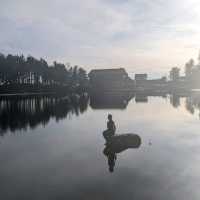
<point x="111" y="128"/>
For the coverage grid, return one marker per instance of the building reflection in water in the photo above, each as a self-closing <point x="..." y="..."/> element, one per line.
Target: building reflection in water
<point x="120" y="100"/>
<point x="110" y="100"/>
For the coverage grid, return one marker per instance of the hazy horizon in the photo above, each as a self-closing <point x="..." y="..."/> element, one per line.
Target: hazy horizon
<point x="140" y="35"/>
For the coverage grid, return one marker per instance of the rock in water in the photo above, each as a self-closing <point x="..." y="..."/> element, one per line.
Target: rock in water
<point x="119" y="143"/>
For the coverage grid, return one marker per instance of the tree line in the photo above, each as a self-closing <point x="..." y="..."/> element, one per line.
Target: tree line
<point x="191" y="73"/>
<point x="21" y="70"/>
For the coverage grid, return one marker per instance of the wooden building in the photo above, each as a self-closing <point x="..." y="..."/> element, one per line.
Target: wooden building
<point x="111" y="79"/>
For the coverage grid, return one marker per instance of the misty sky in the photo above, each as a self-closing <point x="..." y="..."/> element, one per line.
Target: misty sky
<point x="140" y="35"/>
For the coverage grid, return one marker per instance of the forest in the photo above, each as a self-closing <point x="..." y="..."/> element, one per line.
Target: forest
<point x="29" y="74"/>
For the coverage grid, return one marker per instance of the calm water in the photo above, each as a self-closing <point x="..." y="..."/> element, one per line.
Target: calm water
<point x="51" y="148"/>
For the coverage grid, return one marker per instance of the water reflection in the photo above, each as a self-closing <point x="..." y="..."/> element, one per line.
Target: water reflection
<point x="120" y="100"/>
<point x="117" y="144"/>
<point x="110" y="100"/>
<point x="142" y="98"/>
<point x="18" y="113"/>
<point x="175" y="100"/>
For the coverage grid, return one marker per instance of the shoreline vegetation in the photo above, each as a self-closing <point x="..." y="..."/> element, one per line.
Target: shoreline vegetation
<point x="21" y="75"/>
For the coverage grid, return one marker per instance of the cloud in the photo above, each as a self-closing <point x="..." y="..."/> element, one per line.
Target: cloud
<point x="139" y="35"/>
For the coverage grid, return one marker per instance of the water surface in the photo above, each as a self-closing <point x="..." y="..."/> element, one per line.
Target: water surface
<point x="53" y="149"/>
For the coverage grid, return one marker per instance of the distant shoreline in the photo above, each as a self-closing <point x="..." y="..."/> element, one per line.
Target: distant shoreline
<point x="26" y="94"/>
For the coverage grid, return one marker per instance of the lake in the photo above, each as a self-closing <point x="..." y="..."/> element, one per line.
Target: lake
<point x="53" y="148"/>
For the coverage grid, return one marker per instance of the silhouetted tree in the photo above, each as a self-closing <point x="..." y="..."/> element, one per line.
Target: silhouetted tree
<point x="82" y="75"/>
<point x="189" y="68"/>
<point x="19" y="70"/>
<point x="199" y="57"/>
<point x="174" y="74"/>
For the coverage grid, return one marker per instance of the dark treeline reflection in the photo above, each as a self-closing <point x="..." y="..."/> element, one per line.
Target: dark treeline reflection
<point x="192" y="101"/>
<point x="18" y="113"/>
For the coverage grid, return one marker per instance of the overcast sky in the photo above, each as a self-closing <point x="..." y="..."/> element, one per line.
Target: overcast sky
<point x="139" y="35"/>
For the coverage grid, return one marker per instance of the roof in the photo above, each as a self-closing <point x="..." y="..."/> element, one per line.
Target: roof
<point x="140" y="75"/>
<point x="107" y="71"/>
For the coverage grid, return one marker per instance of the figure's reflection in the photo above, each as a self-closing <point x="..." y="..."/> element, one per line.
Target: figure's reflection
<point x="117" y="143"/>
<point x="112" y="157"/>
